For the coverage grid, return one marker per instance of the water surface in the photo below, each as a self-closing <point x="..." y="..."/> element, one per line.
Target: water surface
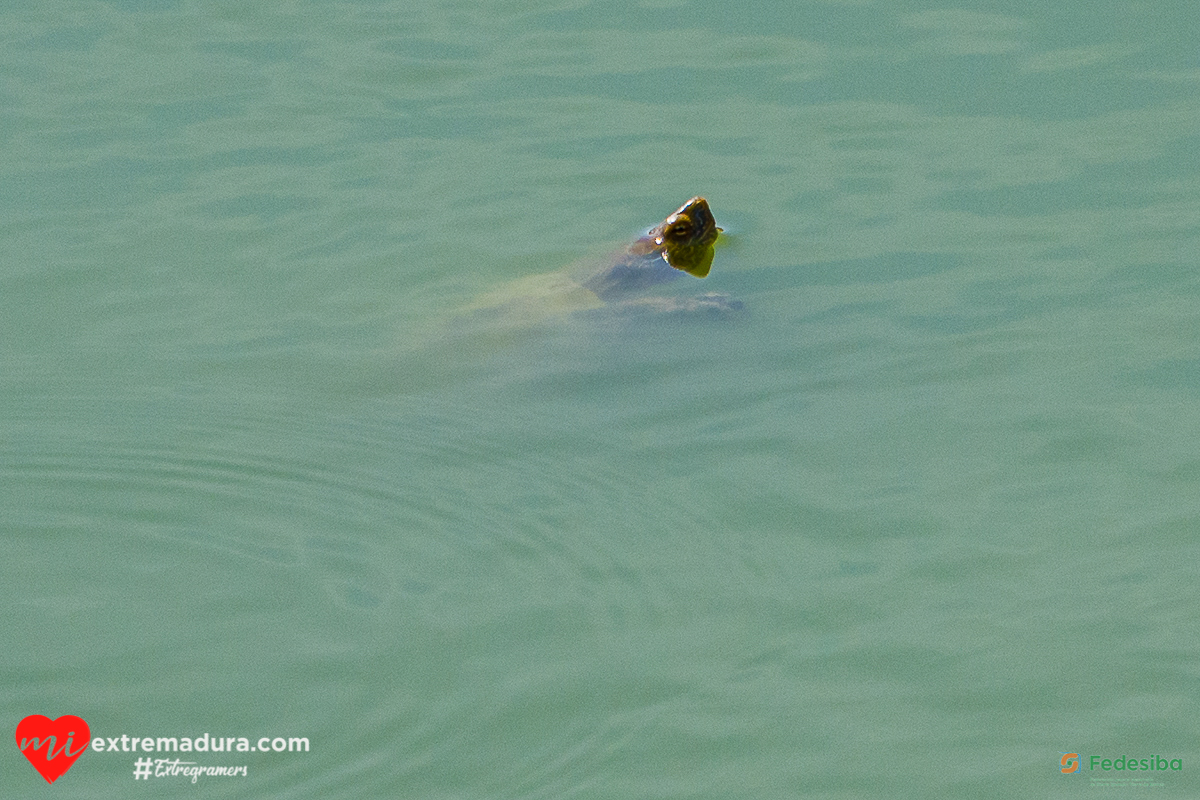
<point x="919" y="523"/>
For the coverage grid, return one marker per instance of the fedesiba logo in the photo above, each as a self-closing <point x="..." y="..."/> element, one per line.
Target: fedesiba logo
<point x="1070" y="764"/>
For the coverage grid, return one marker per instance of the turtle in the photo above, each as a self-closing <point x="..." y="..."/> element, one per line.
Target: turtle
<point x="682" y="244"/>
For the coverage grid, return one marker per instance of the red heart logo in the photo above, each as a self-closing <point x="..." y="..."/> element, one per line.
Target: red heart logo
<point x="57" y="737"/>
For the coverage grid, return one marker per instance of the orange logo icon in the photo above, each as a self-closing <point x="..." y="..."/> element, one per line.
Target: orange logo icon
<point x="1070" y="763"/>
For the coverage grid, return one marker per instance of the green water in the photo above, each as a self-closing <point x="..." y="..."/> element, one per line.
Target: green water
<point x="922" y="520"/>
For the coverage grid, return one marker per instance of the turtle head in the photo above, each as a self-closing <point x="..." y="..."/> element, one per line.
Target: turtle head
<point x="686" y="237"/>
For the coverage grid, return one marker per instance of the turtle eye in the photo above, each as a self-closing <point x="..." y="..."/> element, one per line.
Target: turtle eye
<point x="680" y="230"/>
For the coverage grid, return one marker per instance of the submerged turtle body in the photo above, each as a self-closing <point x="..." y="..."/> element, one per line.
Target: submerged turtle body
<point x="682" y="243"/>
